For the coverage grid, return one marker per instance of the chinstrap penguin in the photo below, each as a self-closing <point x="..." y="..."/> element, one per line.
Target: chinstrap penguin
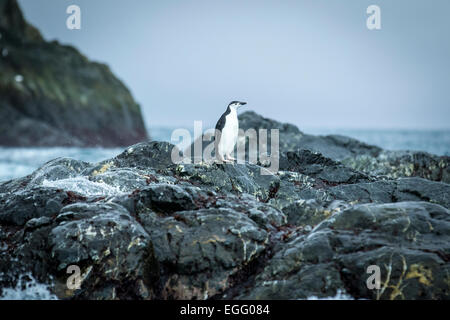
<point x="226" y="134"/>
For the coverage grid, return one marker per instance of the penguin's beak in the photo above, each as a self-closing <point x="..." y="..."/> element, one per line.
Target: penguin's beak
<point x="242" y="104"/>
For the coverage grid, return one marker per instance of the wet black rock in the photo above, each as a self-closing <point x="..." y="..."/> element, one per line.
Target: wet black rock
<point x="354" y="154"/>
<point x="165" y="198"/>
<point x="317" y="166"/>
<point x="54" y="170"/>
<point x="145" y="155"/>
<point x="311" y="212"/>
<point x="395" y="164"/>
<point x="237" y="178"/>
<point x="111" y="248"/>
<point x="408" y="241"/>
<point x="404" y="189"/>
<point x="199" y="251"/>
<point x="18" y="208"/>
<point x="141" y="227"/>
<point x="335" y="147"/>
<point x="291" y="138"/>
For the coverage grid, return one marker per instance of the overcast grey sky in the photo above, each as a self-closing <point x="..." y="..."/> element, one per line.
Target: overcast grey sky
<point x="313" y="63"/>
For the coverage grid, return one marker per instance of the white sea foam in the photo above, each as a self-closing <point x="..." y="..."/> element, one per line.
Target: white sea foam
<point x="18" y="78"/>
<point x="28" y="288"/>
<point x="84" y="187"/>
<point x="340" y="295"/>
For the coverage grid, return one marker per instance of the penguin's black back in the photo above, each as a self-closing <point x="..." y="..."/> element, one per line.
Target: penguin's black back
<point x="219" y="127"/>
<point x="221" y="123"/>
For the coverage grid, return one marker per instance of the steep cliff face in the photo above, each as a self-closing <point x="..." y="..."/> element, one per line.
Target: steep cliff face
<point x="52" y="95"/>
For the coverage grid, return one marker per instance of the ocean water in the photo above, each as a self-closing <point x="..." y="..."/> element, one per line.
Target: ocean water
<point x="432" y="141"/>
<point x="18" y="162"/>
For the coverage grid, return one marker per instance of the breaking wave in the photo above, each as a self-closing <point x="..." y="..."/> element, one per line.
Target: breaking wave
<point x="28" y="288"/>
<point x="84" y="187"/>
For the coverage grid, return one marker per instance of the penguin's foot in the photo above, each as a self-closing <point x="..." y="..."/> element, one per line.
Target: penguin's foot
<point x="221" y="159"/>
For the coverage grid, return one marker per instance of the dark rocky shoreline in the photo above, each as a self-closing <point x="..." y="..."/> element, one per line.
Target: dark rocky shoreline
<point x="141" y="227"/>
<point x="52" y="95"/>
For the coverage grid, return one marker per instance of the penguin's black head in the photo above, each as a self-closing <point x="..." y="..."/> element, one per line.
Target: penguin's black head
<point x="236" y="104"/>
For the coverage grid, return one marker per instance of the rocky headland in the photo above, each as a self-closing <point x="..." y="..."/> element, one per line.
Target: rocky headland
<point x="52" y="95"/>
<point x="141" y="227"/>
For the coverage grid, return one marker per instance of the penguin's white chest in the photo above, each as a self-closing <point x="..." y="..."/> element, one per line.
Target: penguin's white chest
<point x="229" y="134"/>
